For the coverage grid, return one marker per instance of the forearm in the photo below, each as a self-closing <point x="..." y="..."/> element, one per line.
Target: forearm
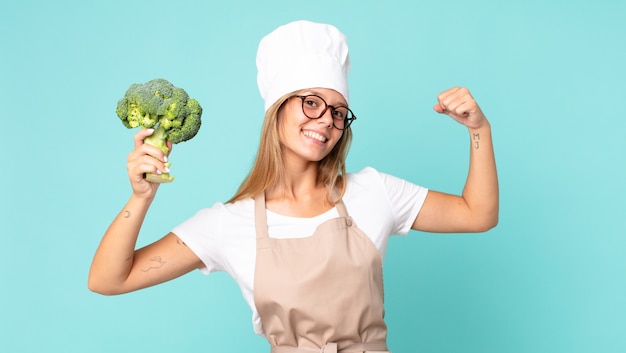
<point x="476" y="210"/>
<point x="481" y="188"/>
<point x="113" y="259"/>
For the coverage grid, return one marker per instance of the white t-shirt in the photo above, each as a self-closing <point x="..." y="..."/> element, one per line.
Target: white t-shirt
<point x="224" y="236"/>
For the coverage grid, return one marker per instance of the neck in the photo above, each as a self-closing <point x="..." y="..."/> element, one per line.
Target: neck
<point x="299" y="181"/>
<point x="299" y="192"/>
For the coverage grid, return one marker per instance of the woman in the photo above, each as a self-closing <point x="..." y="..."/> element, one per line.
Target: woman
<point x="303" y="239"/>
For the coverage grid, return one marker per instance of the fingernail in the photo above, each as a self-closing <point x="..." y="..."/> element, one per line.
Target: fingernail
<point x="164" y="158"/>
<point x="150" y="130"/>
<point x="159" y="172"/>
<point x="167" y="170"/>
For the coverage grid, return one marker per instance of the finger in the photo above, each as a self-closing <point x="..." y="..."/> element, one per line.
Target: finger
<point x="443" y="100"/>
<point x="447" y="95"/>
<point x="146" y="164"/>
<point x="459" y="106"/>
<point x="153" y="151"/>
<point x="448" y="98"/>
<point x="151" y="161"/>
<point x="141" y="135"/>
<point x="147" y="149"/>
<point x="457" y="99"/>
<point x="454" y="93"/>
<point x="466" y="108"/>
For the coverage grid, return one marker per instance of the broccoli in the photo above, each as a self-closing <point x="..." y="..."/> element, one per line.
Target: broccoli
<point x="169" y="110"/>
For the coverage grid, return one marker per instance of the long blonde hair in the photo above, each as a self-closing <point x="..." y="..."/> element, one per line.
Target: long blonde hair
<point x="268" y="169"/>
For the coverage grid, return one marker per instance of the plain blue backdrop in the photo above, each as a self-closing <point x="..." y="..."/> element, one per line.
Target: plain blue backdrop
<point x="548" y="74"/>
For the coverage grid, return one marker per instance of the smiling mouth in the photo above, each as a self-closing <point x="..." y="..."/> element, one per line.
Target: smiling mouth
<point x="314" y="135"/>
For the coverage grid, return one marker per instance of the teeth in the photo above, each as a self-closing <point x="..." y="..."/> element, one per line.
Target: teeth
<point x="315" y="136"/>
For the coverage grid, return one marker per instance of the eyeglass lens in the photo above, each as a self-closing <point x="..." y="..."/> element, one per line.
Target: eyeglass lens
<point x="314" y="107"/>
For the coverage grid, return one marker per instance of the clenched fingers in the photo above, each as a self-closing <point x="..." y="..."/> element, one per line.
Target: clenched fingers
<point x="455" y="100"/>
<point x="458" y="103"/>
<point x="142" y="148"/>
<point x="145" y="164"/>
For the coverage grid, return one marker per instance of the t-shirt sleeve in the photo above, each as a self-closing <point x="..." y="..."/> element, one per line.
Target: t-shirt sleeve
<point x="405" y="200"/>
<point x="202" y="234"/>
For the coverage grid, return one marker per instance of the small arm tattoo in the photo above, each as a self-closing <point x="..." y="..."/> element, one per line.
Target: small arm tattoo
<point x="180" y="242"/>
<point x="476" y="138"/>
<point x="156" y="262"/>
<point x="127" y="214"/>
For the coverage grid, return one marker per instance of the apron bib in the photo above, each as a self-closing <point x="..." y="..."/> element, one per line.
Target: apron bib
<point x="322" y="293"/>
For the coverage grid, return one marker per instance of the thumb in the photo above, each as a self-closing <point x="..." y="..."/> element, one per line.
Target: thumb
<point x="438" y="108"/>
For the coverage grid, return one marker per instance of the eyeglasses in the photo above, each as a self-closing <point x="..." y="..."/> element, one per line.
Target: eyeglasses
<point x="314" y="107"/>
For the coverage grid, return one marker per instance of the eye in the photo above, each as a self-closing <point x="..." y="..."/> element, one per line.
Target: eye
<point x="339" y="114"/>
<point x="311" y="102"/>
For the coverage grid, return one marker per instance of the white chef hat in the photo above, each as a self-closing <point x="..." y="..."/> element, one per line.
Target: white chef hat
<point x="301" y="55"/>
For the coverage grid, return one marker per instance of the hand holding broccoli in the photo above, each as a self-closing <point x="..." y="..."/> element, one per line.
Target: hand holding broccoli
<point x="159" y="105"/>
<point x="145" y="159"/>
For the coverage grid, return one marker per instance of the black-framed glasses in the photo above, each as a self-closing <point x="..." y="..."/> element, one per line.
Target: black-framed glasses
<point x="314" y="107"/>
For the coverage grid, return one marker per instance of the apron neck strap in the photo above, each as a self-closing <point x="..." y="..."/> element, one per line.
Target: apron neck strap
<point x="341" y="208"/>
<point x="260" y="215"/>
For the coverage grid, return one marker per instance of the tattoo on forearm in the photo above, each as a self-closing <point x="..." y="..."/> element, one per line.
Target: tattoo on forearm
<point x="476" y="139"/>
<point x="156" y="262"/>
<point x="127" y="214"/>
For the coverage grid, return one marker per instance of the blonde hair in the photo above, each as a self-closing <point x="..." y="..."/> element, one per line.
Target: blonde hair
<point x="268" y="169"/>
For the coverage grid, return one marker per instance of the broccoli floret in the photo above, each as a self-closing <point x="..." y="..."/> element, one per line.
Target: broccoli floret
<point x="168" y="109"/>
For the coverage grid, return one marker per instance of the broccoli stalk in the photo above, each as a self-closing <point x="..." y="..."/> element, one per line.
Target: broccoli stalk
<point x="167" y="109"/>
<point x="158" y="139"/>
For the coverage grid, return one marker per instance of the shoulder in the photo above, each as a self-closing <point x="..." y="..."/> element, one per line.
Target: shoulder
<point x="371" y="185"/>
<point x="362" y="177"/>
<point x="237" y="214"/>
<point x="217" y="234"/>
<point x="383" y="198"/>
<point x="239" y="208"/>
<point x="220" y="214"/>
<point x="364" y="184"/>
<point x="233" y="209"/>
<point x="369" y="177"/>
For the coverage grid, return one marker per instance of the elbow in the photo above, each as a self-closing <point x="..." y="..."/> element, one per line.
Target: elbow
<point x="487" y="226"/>
<point x="100" y="287"/>
<point x="97" y="288"/>
<point x="484" y="222"/>
<point x="487" y="223"/>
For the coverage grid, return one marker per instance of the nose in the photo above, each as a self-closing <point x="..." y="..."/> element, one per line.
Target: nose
<point x="327" y="117"/>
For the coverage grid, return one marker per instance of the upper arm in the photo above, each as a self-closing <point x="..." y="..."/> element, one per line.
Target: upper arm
<point x="447" y="213"/>
<point x="159" y="262"/>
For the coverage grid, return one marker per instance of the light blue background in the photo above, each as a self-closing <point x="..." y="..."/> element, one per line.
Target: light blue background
<point x="548" y="74"/>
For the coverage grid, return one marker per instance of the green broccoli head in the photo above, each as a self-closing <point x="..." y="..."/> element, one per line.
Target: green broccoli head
<point x="168" y="109"/>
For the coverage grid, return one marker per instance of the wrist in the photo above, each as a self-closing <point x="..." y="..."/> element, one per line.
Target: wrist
<point x="480" y="135"/>
<point x="483" y="126"/>
<point x="141" y="200"/>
